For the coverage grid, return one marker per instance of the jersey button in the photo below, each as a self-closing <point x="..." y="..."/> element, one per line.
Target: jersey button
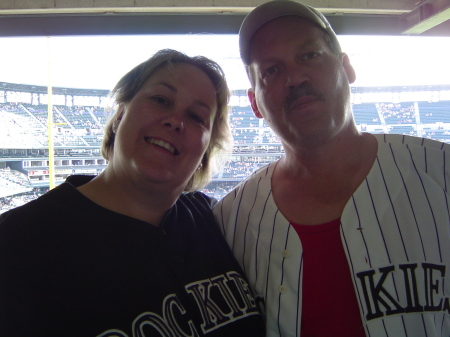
<point x="282" y="288"/>
<point x="286" y="253"/>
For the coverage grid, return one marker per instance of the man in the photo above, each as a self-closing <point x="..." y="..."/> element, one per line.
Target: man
<point x="348" y="233"/>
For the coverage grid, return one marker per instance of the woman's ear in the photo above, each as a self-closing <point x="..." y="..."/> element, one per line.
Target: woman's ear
<point x="118" y="118"/>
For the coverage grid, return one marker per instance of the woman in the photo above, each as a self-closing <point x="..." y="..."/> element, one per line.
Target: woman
<point x="129" y="253"/>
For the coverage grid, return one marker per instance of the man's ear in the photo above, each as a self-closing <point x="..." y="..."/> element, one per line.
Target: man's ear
<point x="351" y="74"/>
<point x="252" y="99"/>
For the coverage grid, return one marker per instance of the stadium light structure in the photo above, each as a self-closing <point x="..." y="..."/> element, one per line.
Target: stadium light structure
<point x="51" y="159"/>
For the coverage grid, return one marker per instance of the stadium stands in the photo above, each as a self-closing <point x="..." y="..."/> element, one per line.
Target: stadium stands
<point x="434" y="112"/>
<point x="77" y="132"/>
<point x="366" y="113"/>
<point x="13" y="182"/>
<point x="398" y="113"/>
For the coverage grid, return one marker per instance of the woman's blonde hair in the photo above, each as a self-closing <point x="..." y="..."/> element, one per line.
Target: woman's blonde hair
<point x="131" y="83"/>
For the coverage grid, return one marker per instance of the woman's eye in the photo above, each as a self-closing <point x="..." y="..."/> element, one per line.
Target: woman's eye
<point x="196" y="118"/>
<point x="311" y="55"/>
<point x="160" y="100"/>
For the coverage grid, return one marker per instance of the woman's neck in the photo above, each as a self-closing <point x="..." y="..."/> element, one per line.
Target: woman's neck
<point x="129" y="198"/>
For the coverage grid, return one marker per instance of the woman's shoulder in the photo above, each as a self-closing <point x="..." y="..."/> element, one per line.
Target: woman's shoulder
<point x="198" y="199"/>
<point x="57" y="202"/>
<point x="42" y="204"/>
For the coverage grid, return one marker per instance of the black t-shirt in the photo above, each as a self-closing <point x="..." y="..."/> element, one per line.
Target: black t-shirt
<point x="69" y="267"/>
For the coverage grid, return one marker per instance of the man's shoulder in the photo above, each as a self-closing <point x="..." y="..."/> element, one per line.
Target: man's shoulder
<point x="265" y="171"/>
<point x="412" y="141"/>
<point x="260" y="179"/>
<point x="402" y="153"/>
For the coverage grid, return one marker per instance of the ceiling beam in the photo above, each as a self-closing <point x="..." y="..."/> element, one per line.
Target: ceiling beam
<point x="186" y="10"/>
<point x="426" y="15"/>
<point x="97" y="17"/>
<point x="42" y="7"/>
<point x="145" y="23"/>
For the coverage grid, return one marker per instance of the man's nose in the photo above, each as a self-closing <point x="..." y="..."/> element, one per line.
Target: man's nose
<point x="296" y="76"/>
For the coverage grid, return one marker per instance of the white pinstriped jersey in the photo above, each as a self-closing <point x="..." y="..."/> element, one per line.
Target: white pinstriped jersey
<point x="394" y="230"/>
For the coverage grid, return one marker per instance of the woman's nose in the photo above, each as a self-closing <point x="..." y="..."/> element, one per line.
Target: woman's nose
<point x="174" y="122"/>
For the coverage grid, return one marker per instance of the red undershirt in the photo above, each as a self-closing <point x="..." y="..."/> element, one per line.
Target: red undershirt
<point x="329" y="304"/>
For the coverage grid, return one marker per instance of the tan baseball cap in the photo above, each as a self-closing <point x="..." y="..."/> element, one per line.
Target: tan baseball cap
<point x="275" y="9"/>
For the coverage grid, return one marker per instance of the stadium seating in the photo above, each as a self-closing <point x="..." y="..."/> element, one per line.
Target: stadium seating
<point x="78" y="133"/>
<point x="434" y="112"/>
<point x="366" y="113"/>
<point x="13" y="182"/>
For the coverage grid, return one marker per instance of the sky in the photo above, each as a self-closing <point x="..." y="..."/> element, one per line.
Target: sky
<point x="98" y="62"/>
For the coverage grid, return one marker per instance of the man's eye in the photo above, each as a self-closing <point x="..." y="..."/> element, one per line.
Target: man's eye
<point x="270" y="71"/>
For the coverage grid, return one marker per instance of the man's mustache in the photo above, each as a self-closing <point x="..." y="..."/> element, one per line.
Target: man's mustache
<point x="300" y="91"/>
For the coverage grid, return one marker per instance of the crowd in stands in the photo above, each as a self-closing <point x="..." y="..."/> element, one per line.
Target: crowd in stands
<point x="9" y="106"/>
<point x="441" y="135"/>
<point x="218" y="189"/>
<point x="13" y="182"/>
<point x="398" y="113"/>
<point x="240" y="118"/>
<point x="14" y="176"/>
<point x="7" y="203"/>
<point x="241" y="169"/>
<point x="15" y="131"/>
<point x="81" y="117"/>
<point x="254" y="140"/>
<point x="238" y="169"/>
<point x="244" y="136"/>
<point x="73" y="126"/>
<point x="82" y="125"/>
<point x="268" y="136"/>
